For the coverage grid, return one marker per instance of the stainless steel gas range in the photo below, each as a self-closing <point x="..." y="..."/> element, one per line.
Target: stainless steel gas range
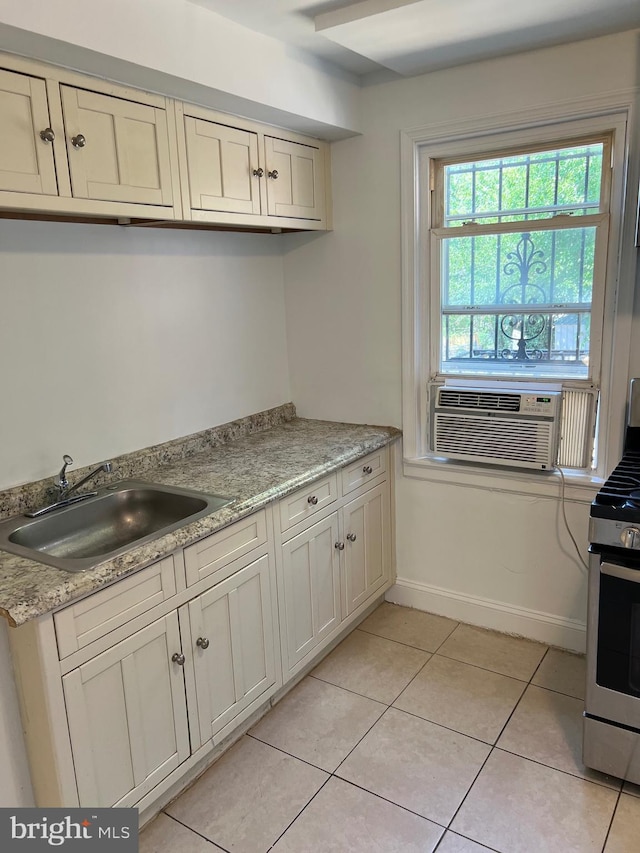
<point x="611" y="735"/>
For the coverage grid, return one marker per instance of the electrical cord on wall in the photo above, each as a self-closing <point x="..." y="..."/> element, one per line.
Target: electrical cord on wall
<point x="564" y="516"/>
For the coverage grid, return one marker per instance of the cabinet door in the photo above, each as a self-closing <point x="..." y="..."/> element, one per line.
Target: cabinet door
<point x="233" y="645"/>
<point x="121" y="150"/>
<point x="367" y="552"/>
<point x="295" y="179"/>
<point x="26" y="160"/>
<point x="127" y="716"/>
<point x="311" y="582"/>
<point x="220" y="163"/>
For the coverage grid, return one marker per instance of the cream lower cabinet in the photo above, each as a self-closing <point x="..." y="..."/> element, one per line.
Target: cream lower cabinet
<point x="311" y="587"/>
<point x="367" y="546"/>
<point x="127" y="716"/>
<point x="232" y="648"/>
<point x="337" y="559"/>
<point x="128" y="690"/>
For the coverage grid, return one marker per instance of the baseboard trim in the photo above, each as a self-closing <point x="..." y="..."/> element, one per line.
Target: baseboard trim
<point x="543" y="627"/>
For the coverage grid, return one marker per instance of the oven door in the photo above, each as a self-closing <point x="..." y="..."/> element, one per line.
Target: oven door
<point x="613" y="640"/>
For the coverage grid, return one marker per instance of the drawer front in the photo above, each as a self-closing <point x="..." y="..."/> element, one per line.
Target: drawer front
<point x="364" y="470"/>
<point x="100" y="613"/>
<point x="306" y="502"/>
<point x="207" y="556"/>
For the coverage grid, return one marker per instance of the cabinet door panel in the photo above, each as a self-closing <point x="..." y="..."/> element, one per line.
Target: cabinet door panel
<point x="26" y="161"/>
<point x="311" y="570"/>
<point x="367" y="552"/>
<point x="298" y="191"/>
<point x="126" y="154"/>
<point x="220" y="163"/>
<point x="127" y="716"/>
<point x="238" y="664"/>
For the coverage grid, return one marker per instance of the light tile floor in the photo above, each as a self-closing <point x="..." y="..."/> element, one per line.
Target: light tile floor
<point x="415" y="734"/>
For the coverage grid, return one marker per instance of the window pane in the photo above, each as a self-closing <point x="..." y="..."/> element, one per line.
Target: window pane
<point x="554" y="345"/>
<point x="518" y="304"/>
<point x="524" y="186"/>
<point x="553" y="268"/>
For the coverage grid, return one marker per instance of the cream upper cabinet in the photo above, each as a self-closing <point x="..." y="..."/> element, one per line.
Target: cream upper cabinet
<point x="239" y="172"/>
<point x="74" y="145"/>
<point x="118" y="149"/>
<point x="222" y="166"/>
<point x="26" y="158"/>
<point x="295" y="179"/>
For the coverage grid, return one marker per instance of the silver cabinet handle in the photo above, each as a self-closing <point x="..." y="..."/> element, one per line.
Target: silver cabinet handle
<point x="312" y="499"/>
<point x="47" y="135"/>
<point x="351" y="537"/>
<point x="273" y="174"/>
<point x="202" y="642"/>
<point x="78" y="141"/>
<point x="178" y="658"/>
<point x="340" y="546"/>
<point x="258" y="173"/>
<point x="367" y="469"/>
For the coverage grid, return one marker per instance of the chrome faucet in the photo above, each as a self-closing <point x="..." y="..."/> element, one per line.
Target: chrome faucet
<point x="64" y="494"/>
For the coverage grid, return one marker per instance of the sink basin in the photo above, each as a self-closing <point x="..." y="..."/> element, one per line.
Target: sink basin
<point x="85" y="534"/>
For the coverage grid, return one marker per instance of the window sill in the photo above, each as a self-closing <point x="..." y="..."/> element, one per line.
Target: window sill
<point x="579" y="488"/>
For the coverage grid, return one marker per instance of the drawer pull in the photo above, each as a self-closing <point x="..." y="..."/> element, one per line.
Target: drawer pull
<point x="367" y="469"/>
<point x="351" y="537"/>
<point x="178" y="658"/>
<point x="312" y="499"/>
<point x="340" y="546"/>
<point x="202" y="642"/>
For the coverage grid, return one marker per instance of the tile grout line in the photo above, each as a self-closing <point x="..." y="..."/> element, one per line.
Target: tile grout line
<point x="195" y="832"/>
<point x="494" y="747"/>
<point x="613" y="815"/>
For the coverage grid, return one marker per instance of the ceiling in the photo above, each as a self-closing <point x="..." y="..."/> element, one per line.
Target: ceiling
<point x="410" y="37"/>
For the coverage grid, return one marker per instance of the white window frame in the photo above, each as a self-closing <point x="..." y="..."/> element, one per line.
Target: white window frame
<point x="420" y="148"/>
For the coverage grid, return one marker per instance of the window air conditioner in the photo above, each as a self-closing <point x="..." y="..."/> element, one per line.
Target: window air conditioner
<point x="496" y="425"/>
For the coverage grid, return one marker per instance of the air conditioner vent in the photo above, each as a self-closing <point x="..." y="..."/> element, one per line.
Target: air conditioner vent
<point x="503" y="441"/>
<point x="488" y="400"/>
<point x="496" y="426"/>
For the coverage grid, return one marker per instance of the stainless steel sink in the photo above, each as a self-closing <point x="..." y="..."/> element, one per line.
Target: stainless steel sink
<point x="129" y="513"/>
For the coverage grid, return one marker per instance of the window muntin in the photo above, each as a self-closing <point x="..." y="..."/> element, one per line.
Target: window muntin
<point x="516" y="299"/>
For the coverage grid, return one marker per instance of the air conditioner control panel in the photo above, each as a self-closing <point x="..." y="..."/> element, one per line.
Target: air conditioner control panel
<point x="538" y="404"/>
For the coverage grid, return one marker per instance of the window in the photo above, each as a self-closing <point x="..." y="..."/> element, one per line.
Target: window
<point x="514" y="270"/>
<point x="520" y="242"/>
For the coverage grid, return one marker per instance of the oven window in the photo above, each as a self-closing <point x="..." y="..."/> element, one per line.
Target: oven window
<point x="618" y="666"/>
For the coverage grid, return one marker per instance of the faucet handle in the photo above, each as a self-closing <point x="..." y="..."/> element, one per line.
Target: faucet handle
<point x="62" y="481"/>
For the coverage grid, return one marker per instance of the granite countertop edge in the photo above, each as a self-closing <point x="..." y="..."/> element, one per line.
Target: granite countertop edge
<point x="257" y="470"/>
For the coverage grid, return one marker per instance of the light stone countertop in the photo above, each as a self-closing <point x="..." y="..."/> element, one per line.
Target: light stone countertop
<point x="255" y="469"/>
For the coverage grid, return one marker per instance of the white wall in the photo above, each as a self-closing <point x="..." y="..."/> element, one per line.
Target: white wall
<point x="483" y="555"/>
<point x="113" y="339"/>
<point x="182" y="49"/>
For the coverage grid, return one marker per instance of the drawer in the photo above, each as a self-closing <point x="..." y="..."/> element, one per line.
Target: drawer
<point x="207" y="556"/>
<point x="104" y="611"/>
<point x="305" y="503"/>
<point x="361" y="472"/>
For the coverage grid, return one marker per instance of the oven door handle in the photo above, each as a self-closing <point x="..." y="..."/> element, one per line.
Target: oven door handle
<point x="621" y="572"/>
